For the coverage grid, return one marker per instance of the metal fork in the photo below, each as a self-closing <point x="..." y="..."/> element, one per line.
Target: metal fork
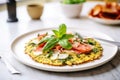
<point x="9" y="66"/>
<point x="105" y="40"/>
<point x="112" y="42"/>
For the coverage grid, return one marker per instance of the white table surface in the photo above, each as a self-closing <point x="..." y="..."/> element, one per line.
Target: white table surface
<point x="52" y="17"/>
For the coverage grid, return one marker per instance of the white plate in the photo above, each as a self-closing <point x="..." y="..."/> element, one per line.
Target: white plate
<point x="105" y="21"/>
<point x="18" y="44"/>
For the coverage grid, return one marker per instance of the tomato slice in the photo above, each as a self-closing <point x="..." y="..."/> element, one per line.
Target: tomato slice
<point x="58" y="47"/>
<point x="82" y="48"/>
<point x="39" y="48"/>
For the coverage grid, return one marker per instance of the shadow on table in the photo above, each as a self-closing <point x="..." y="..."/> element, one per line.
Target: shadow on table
<point x="115" y="62"/>
<point x="83" y="17"/>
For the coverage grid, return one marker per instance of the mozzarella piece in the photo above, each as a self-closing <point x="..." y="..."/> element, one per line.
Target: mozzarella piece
<point x="63" y="56"/>
<point x="54" y="56"/>
<point x="37" y="53"/>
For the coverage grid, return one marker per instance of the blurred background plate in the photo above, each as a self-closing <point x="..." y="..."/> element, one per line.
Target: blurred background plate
<point x="105" y="21"/>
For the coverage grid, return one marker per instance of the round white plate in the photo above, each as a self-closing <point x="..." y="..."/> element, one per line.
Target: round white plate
<point x="18" y="45"/>
<point x="105" y="21"/>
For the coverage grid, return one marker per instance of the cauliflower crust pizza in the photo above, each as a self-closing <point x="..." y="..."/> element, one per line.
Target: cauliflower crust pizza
<point x="62" y="48"/>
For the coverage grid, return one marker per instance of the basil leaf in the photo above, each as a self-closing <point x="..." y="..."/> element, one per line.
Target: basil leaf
<point x="50" y="54"/>
<point x="56" y="32"/>
<point x="45" y="39"/>
<point x="65" y="44"/>
<point x="67" y="36"/>
<point x="50" y="44"/>
<point x="62" y="30"/>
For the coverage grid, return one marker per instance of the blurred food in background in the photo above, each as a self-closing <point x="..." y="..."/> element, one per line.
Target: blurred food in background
<point x="110" y="0"/>
<point x="110" y="10"/>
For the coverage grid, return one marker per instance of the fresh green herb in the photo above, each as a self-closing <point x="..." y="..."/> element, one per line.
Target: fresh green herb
<point x="56" y="33"/>
<point x="50" y="54"/>
<point x="62" y="30"/>
<point x="67" y="36"/>
<point x="50" y="44"/>
<point x="59" y="37"/>
<point x="72" y="1"/>
<point x="91" y="41"/>
<point x="63" y="37"/>
<point x="95" y="50"/>
<point x="65" y="43"/>
<point x="62" y="60"/>
<point x="69" y="57"/>
<point x="45" y="39"/>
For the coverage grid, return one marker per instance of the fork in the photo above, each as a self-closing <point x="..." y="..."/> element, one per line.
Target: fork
<point x="112" y="42"/>
<point x="9" y="66"/>
<point x="105" y="40"/>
